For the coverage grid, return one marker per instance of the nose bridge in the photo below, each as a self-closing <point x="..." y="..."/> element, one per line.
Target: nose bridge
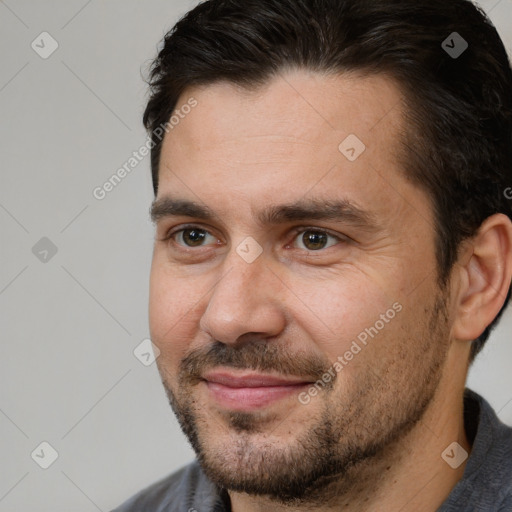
<point x="243" y="301"/>
<point x="239" y="278"/>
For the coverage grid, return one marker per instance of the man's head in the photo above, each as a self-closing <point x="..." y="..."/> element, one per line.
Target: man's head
<point x="457" y="144"/>
<point x="328" y="215"/>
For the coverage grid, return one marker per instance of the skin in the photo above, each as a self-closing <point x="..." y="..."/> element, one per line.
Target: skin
<point x="293" y="311"/>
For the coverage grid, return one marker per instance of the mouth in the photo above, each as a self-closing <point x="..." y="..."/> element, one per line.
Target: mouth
<point x="249" y="391"/>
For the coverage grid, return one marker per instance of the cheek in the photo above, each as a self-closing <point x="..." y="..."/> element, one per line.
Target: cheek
<point x="337" y="311"/>
<point x="173" y="313"/>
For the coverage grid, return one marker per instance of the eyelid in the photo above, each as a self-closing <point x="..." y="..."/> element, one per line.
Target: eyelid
<point x="301" y="229"/>
<point x="183" y="227"/>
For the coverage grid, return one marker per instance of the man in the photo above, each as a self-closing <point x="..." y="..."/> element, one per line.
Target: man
<point x="333" y="246"/>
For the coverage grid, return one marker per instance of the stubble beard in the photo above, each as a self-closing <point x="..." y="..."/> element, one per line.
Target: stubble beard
<point x="337" y="448"/>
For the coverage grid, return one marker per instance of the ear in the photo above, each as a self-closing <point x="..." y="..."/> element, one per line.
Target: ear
<point x="486" y="270"/>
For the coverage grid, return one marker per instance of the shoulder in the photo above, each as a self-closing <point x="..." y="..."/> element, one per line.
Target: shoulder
<point x="497" y="464"/>
<point x="184" y="491"/>
<point x="487" y="480"/>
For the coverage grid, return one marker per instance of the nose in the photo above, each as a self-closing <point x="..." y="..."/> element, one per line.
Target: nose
<point x="244" y="303"/>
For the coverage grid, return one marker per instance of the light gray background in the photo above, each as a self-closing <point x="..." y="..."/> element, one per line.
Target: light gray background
<point x="68" y="374"/>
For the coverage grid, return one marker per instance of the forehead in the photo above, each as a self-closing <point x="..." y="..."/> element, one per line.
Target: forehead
<point x="335" y="136"/>
<point x="298" y="104"/>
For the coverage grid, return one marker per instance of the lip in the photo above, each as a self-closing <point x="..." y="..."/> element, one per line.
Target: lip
<point x="248" y="391"/>
<point x="251" y="380"/>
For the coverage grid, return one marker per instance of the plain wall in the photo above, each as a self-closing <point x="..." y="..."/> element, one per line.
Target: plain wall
<point x="70" y="324"/>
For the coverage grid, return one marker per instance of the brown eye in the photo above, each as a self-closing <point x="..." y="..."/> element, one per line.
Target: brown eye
<point x="314" y="240"/>
<point x="192" y="237"/>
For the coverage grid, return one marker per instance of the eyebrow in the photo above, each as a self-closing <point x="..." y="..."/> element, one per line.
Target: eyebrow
<point x="316" y="209"/>
<point x="168" y="207"/>
<point x="341" y="210"/>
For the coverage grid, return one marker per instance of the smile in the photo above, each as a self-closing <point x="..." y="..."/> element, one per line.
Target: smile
<point x="250" y="391"/>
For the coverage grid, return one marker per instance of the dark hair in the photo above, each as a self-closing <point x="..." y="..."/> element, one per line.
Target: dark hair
<point x="458" y="146"/>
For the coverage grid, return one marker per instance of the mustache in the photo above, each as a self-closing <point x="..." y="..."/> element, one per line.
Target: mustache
<point x="259" y="355"/>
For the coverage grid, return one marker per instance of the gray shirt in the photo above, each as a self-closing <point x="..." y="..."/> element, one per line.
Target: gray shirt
<point x="486" y="485"/>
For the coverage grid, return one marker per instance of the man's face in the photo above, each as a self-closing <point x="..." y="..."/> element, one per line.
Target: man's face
<point x="316" y="263"/>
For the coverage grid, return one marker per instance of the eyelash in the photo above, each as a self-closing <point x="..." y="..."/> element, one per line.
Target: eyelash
<point x="296" y="232"/>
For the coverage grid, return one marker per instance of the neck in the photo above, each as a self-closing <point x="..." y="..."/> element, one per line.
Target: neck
<point x="409" y="475"/>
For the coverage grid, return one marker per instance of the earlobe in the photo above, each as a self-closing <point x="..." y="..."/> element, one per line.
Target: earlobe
<point x="486" y="277"/>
